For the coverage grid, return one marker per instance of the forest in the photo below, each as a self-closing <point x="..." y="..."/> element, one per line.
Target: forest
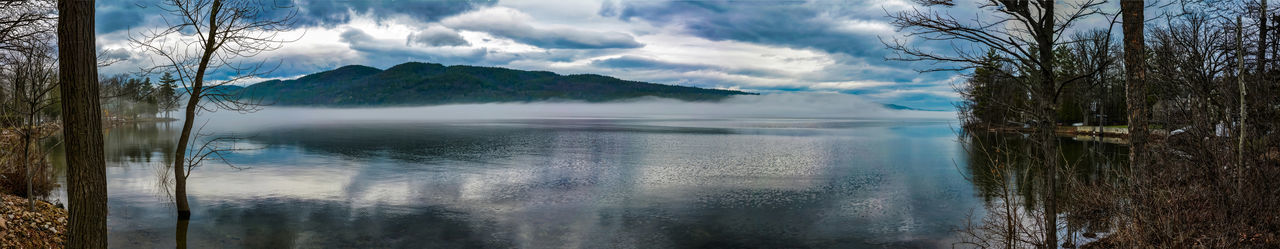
<point x="1192" y="90"/>
<point x="417" y="83"/>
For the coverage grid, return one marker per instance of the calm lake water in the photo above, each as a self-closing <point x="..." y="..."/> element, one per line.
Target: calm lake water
<point x="554" y="183"/>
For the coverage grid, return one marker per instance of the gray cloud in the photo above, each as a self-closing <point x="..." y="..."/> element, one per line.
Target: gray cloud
<point x="609" y="8"/>
<point x="114" y="54"/>
<point x="645" y="63"/>
<point x="115" y="15"/>
<point x="435" y="37"/>
<point x="513" y="24"/>
<point x="797" y="24"/>
<point x="390" y="53"/>
<point x="631" y="61"/>
<point x="335" y="12"/>
<point x="356" y="36"/>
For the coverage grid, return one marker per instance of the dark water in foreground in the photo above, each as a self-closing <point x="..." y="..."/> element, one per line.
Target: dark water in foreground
<point x="558" y="183"/>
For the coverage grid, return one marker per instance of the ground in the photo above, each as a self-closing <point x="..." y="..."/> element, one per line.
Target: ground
<point x="20" y="228"/>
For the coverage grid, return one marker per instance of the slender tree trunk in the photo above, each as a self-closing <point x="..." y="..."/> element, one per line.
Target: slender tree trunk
<point x="1135" y="80"/>
<point x="179" y="160"/>
<point x="82" y="125"/>
<point x="193" y="102"/>
<point x="26" y="160"/>
<point x="1262" y="38"/>
<point x="1243" y="111"/>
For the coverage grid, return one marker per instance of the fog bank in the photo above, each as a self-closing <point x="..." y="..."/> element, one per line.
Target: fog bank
<point x="769" y="106"/>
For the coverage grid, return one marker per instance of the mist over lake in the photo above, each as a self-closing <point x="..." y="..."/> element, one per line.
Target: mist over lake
<point x="770" y="106"/>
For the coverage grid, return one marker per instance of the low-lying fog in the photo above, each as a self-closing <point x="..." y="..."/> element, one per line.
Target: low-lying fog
<point x="768" y="106"/>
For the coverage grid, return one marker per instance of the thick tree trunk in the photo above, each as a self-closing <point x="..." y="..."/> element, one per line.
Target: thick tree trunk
<point x="1048" y="116"/>
<point x="1135" y="80"/>
<point x="82" y="126"/>
<point x="182" y="233"/>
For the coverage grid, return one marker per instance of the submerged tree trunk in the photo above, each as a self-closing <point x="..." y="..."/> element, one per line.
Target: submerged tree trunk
<point x="193" y="102"/>
<point x="181" y="233"/>
<point x="82" y="126"/>
<point x="179" y="161"/>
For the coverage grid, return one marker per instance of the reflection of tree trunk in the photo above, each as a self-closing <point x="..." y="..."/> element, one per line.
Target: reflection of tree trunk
<point x="181" y="233"/>
<point x="82" y="126"/>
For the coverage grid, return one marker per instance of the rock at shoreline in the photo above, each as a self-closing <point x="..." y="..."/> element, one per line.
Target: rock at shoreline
<point x="20" y="228"/>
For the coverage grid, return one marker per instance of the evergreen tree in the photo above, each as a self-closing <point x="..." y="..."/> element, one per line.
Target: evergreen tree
<point x="166" y="94"/>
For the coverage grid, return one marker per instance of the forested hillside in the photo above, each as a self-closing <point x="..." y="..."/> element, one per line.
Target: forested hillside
<point x="416" y="83"/>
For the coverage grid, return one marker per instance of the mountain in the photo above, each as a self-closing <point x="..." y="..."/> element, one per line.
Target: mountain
<point x="417" y="83"/>
<point x="904" y="108"/>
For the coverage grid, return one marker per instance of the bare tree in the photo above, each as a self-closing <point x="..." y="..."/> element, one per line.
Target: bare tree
<point x="82" y="126"/>
<point x="1025" y="32"/>
<point x="204" y="36"/>
<point x="33" y="74"/>
<point x="24" y="19"/>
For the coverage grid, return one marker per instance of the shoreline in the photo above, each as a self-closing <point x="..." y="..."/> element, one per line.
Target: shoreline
<point x="1108" y="134"/>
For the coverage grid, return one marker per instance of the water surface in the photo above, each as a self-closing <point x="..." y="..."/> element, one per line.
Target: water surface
<point x="553" y="183"/>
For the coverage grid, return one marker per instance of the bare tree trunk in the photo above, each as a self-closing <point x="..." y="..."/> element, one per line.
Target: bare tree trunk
<point x="182" y="233"/>
<point x="1048" y="103"/>
<point x="1243" y="112"/>
<point x="179" y="162"/>
<point x="1262" y="38"/>
<point x="26" y="160"/>
<point x="82" y="125"/>
<point x="193" y="101"/>
<point x="1135" y="77"/>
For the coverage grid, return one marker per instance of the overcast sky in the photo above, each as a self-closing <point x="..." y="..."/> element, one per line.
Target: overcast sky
<point x="753" y="45"/>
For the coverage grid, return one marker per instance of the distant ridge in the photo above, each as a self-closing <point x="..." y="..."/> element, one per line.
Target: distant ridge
<point x="417" y="83"/>
<point x="906" y="108"/>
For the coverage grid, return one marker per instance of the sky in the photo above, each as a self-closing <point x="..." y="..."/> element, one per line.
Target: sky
<point x="829" y="46"/>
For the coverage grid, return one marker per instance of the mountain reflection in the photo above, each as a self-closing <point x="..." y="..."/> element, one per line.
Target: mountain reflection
<point x="555" y="183"/>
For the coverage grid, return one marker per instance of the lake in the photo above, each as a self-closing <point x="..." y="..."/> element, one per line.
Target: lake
<point x="576" y="182"/>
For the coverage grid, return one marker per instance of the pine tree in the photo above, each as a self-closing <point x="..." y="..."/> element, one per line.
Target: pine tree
<point x="166" y="94"/>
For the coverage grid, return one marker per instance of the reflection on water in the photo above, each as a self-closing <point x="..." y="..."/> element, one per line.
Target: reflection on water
<point x="584" y="183"/>
<point x="999" y="160"/>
